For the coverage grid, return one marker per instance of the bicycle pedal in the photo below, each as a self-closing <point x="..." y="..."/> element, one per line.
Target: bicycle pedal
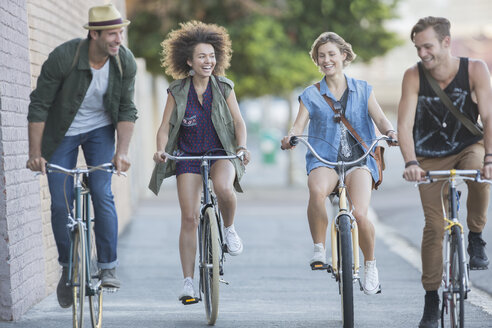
<point x="319" y="266"/>
<point x="109" y="289"/>
<point x="187" y="300"/>
<point x="223" y="281"/>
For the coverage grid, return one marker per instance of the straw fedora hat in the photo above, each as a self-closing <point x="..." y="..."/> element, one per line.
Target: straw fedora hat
<point x="104" y="18"/>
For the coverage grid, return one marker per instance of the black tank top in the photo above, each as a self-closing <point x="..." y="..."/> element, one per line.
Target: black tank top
<point x="437" y="132"/>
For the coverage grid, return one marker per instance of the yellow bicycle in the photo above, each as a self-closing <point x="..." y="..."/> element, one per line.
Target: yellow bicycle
<point x="345" y="264"/>
<point x="455" y="279"/>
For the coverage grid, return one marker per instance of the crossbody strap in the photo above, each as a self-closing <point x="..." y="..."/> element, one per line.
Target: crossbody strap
<point x="449" y="104"/>
<point x="343" y="119"/>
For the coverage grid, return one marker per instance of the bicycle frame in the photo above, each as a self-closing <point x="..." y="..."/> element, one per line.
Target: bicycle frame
<point x="211" y="242"/>
<point x="345" y="264"/>
<point x="343" y="208"/>
<point x="80" y="226"/>
<point x="343" y="205"/>
<point x="453" y="228"/>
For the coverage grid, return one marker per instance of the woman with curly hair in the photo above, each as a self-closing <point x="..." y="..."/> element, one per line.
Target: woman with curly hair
<point x="201" y="114"/>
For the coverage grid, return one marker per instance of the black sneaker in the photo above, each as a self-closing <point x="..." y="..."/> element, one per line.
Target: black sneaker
<point x="109" y="278"/>
<point x="64" y="293"/>
<point x="430" y="318"/>
<point x="476" y="250"/>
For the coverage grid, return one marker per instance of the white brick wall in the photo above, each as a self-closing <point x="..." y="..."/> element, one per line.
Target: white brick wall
<point x="29" y="31"/>
<point x="21" y="251"/>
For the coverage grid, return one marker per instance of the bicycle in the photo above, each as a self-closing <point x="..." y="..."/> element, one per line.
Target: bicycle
<point x="455" y="282"/>
<point x="345" y="264"/>
<point x="211" y="243"/>
<point x="83" y="275"/>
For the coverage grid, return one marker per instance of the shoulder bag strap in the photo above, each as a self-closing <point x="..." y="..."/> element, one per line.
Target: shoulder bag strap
<point x="343" y="119"/>
<point x="449" y="104"/>
<point x="75" y="59"/>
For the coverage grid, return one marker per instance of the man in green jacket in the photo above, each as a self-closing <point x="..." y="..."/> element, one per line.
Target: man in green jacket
<point x="84" y="92"/>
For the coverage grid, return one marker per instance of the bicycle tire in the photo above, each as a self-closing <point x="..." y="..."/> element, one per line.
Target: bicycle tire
<point x="457" y="280"/>
<point x="96" y="293"/>
<point x="346" y="281"/>
<point x="78" y="275"/>
<point x="210" y="265"/>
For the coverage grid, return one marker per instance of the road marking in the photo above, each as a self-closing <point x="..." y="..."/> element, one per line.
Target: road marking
<point x="411" y="254"/>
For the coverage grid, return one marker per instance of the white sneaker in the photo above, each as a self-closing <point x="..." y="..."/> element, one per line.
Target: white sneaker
<point x="319" y="254"/>
<point x="233" y="242"/>
<point x="371" y="278"/>
<point x="188" y="290"/>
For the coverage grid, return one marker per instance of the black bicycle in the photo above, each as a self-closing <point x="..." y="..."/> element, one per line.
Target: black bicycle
<point x="210" y="236"/>
<point x="83" y="275"/>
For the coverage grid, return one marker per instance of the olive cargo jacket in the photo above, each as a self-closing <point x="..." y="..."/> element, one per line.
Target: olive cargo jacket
<point x="61" y="88"/>
<point x="221" y="119"/>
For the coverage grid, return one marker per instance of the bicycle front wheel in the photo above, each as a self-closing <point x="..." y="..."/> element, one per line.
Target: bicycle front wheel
<point x="210" y="265"/>
<point x="78" y="275"/>
<point x="95" y="293"/>
<point x="346" y="274"/>
<point x="457" y="290"/>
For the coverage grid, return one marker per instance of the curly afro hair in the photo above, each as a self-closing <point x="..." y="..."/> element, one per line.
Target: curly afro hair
<point x="178" y="47"/>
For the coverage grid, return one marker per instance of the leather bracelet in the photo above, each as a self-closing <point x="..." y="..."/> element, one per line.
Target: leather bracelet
<point x="410" y="163"/>
<point x="241" y="148"/>
<point x="486" y="155"/>
<point x="395" y="132"/>
<point x="487" y="163"/>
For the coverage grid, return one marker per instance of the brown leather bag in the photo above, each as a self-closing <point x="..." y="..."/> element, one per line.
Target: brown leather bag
<point x="378" y="153"/>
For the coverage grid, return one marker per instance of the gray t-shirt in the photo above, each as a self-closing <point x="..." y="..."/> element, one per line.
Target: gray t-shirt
<point x="92" y="114"/>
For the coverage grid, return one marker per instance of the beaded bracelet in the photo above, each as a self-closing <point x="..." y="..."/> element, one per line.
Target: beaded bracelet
<point x="410" y="163"/>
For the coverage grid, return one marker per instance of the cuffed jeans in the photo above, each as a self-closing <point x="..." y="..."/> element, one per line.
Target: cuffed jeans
<point x="470" y="158"/>
<point x="98" y="148"/>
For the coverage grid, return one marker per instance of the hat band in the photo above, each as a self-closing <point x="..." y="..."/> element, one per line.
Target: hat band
<point x="107" y="23"/>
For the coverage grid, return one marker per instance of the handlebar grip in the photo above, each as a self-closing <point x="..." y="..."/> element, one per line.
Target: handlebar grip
<point x="293" y="141"/>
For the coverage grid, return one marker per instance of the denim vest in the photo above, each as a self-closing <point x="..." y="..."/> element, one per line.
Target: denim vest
<point x="221" y="119"/>
<point x="322" y="124"/>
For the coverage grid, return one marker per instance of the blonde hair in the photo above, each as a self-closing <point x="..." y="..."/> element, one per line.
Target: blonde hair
<point x="334" y="38"/>
<point x="178" y="47"/>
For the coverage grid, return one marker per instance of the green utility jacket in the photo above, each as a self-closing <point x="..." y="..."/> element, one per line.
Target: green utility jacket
<point x="221" y="119"/>
<point x="61" y="88"/>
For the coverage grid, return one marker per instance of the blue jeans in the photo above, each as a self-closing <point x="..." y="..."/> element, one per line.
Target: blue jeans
<point x="98" y="148"/>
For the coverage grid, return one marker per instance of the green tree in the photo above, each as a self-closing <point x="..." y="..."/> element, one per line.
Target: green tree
<point x="270" y="38"/>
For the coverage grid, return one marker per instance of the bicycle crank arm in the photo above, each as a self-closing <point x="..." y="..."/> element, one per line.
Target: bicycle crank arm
<point x="223" y="281"/>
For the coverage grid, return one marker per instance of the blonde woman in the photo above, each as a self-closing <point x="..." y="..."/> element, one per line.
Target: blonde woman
<point x="331" y="54"/>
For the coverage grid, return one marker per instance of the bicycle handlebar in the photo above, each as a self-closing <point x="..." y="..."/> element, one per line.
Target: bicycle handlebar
<point x="440" y="175"/>
<point x="294" y="140"/>
<point x="108" y="167"/>
<point x="239" y="155"/>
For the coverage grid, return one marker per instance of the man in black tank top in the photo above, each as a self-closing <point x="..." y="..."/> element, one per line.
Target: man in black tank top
<point x="432" y="138"/>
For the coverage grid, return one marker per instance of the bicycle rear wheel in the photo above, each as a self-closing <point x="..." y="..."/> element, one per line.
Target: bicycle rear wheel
<point x="457" y="280"/>
<point x="96" y="293"/>
<point x="346" y="274"/>
<point x="210" y="265"/>
<point x="78" y="275"/>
